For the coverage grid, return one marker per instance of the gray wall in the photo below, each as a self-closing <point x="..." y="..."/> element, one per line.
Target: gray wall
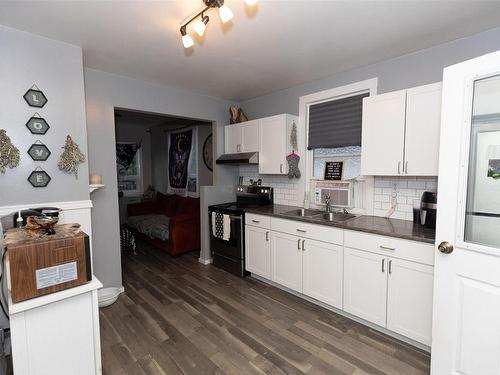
<point x="56" y="68"/>
<point x="415" y="69"/>
<point x="104" y="92"/>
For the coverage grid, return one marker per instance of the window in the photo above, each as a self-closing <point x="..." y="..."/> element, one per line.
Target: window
<point x="129" y="176"/>
<point x="333" y="126"/>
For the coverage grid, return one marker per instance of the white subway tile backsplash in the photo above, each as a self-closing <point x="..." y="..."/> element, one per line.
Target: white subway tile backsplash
<point x="407" y="190"/>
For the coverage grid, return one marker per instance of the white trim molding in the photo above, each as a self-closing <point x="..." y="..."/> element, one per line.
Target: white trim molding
<point x="205" y="262"/>
<point x="66" y="206"/>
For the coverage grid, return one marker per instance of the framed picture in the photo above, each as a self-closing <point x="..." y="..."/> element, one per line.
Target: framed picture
<point x="128" y="164"/>
<point x="333" y="170"/>
<point x="39" y="152"/>
<point x="37" y="125"/>
<point x="35" y="98"/>
<point x="39" y="178"/>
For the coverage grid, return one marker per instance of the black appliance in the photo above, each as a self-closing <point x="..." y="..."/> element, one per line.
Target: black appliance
<point x="428" y="209"/>
<point x="230" y="254"/>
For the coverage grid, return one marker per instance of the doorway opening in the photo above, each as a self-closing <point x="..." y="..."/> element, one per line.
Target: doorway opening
<point x="161" y="163"/>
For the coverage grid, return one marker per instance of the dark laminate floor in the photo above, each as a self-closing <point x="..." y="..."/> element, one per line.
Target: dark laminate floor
<point x="180" y="317"/>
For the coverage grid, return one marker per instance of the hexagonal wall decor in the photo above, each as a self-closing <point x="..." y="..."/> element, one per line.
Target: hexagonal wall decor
<point x="37" y="125"/>
<point x="39" y="178"/>
<point x="35" y="98"/>
<point x="39" y="152"/>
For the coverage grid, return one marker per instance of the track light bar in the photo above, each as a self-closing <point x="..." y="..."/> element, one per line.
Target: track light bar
<point x="200" y="25"/>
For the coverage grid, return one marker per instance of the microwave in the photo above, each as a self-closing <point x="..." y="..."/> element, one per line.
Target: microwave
<point x="340" y="192"/>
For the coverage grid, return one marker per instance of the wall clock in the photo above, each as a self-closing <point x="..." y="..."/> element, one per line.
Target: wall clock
<point x="208" y="155"/>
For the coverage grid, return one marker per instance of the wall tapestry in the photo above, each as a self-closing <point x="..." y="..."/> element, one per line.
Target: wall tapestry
<point x="182" y="163"/>
<point x="9" y="154"/>
<point x="71" y="157"/>
<point x="125" y="154"/>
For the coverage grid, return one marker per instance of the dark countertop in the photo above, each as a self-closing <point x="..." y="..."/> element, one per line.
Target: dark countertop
<point x="371" y="224"/>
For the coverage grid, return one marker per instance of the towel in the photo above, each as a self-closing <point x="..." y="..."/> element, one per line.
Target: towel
<point x="221" y="226"/>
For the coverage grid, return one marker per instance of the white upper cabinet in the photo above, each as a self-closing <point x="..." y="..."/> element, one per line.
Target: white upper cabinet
<point x="400" y="133"/>
<point x="270" y="136"/>
<point x="423" y="125"/>
<point x="383" y="134"/>
<point x="243" y="137"/>
<point x="274" y="144"/>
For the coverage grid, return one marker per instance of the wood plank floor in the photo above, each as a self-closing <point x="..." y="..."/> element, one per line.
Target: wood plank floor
<point x="180" y="317"/>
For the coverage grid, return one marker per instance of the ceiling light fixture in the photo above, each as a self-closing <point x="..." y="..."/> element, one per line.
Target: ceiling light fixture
<point x="225" y="15"/>
<point x="187" y="41"/>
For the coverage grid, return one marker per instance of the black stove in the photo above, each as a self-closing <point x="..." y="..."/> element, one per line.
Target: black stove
<point x="229" y="253"/>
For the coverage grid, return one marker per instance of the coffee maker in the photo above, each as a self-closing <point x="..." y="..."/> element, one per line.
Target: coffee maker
<point x="428" y="209"/>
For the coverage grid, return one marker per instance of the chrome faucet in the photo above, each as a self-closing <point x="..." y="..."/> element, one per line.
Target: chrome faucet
<point x="328" y="203"/>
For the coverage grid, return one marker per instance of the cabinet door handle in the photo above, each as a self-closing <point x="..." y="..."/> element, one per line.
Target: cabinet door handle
<point x="281" y="168"/>
<point x="399" y="167"/>
<point x="303" y="247"/>
<point x="301" y="230"/>
<point x="298" y="244"/>
<point x="256" y="221"/>
<point x="387" y="248"/>
<point x="383" y="264"/>
<point x="390" y="267"/>
<point x="406" y="167"/>
<point x="267" y="236"/>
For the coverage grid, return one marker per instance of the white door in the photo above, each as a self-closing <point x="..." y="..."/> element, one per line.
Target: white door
<point x="423" y="124"/>
<point x="250" y="131"/>
<point x="383" y="134"/>
<point x="257" y="251"/>
<point x="466" y="319"/>
<point x="409" y="299"/>
<point x="286" y="260"/>
<point x="273" y="145"/>
<point x="232" y="139"/>
<point x="323" y="272"/>
<point x="365" y="285"/>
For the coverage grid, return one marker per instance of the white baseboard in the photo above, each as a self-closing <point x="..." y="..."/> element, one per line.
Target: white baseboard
<point x="205" y="261"/>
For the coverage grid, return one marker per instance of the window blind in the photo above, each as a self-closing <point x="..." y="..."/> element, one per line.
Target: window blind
<point x="336" y="123"/>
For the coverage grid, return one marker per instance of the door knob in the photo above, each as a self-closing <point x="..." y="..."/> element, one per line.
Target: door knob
<point x="445" y="247"/>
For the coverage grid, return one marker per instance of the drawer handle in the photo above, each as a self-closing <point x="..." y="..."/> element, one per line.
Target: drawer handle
<point x="387" y="248"/>
<point x="301" y="230"/>
<point x="256" y="221"/>
<point x="298" y="244"/>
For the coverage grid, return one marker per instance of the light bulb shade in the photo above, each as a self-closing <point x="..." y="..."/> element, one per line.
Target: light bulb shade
<point x="200" y="25"/>
<point x="225" y="14"/>
<point x="187" y="41"/>
<point x="251" y="2"/>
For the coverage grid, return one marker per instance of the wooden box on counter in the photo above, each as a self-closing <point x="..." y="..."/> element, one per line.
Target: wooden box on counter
<point x="40" y="265"/>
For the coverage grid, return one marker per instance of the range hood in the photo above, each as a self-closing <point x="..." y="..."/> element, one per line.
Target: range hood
<point x="239" y="158"/>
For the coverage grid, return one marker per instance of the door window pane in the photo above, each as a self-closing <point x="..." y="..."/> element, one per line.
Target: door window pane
<point x="482" y="224"/>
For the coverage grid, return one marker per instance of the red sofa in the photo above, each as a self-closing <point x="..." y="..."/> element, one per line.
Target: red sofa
<point x="184" y="225"/>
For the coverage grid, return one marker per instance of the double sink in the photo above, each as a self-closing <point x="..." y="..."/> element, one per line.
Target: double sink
<point x="321" y="215"/>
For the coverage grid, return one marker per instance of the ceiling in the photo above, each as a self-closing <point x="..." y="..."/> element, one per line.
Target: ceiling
<point x="272" y="46"/>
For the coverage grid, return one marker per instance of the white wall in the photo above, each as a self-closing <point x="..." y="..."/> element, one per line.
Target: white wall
<point x="104" y="92"/>
<point x="56" y="68"/>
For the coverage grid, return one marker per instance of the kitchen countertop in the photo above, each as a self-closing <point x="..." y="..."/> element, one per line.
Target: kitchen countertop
<point x="371" y="224"/>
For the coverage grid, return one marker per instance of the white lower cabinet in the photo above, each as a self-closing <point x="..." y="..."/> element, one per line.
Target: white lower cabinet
<point x="322" y="272"/>
<point x="257" y="251"/>
<point x="409" y="299"/>
<point x="286" y="259"/>
<point x="365" y="285"/>
<point x="383" y="280"/>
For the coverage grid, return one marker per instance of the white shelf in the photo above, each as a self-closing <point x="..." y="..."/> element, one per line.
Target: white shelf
<point x="95" y="187"/>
